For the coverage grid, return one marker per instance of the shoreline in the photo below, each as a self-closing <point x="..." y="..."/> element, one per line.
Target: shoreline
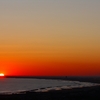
<point x="82" y="93"/>
<point x="85" y="93"/>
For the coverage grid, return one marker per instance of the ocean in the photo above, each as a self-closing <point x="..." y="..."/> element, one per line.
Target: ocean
<point x="18" y="85"/>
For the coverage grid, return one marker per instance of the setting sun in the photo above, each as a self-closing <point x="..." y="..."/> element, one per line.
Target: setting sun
<point x="1" y="74"/>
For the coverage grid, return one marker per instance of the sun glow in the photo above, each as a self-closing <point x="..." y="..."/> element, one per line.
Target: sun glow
<point x="1" y="74"/>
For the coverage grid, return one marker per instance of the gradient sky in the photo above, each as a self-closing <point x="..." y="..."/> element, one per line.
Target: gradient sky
<point x="50" y="37"/>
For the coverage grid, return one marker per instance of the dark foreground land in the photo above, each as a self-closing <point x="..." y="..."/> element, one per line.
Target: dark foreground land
<point x="87" y="93"/>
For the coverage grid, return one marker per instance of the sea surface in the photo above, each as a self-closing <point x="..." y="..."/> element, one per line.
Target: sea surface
<point x="17" y="85"/>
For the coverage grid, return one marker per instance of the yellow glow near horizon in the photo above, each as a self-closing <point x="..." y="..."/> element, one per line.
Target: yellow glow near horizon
<point x="1" y="74"/>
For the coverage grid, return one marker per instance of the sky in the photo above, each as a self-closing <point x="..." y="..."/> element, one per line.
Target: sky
<point x="50" y="37"/>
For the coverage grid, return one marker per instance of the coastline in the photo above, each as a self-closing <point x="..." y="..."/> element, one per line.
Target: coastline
<point x="85" y="93"/>
<point x="82" y="93"/>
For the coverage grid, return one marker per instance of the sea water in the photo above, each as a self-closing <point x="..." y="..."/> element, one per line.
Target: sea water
<point x="15" y="85"/>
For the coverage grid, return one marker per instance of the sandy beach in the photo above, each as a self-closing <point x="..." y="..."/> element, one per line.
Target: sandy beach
<point x="87" y="93"/>
<point x="83" y="93"/>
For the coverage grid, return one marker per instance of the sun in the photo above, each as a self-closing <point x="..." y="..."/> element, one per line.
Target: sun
<point x="1" y="75"/>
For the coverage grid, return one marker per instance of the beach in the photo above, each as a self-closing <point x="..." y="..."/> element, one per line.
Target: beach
<point x="89" y="93"/>
<point x="82" y="93"/>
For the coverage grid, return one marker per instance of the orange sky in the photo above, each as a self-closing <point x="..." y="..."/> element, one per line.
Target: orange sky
<point x="50" y="37"/>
